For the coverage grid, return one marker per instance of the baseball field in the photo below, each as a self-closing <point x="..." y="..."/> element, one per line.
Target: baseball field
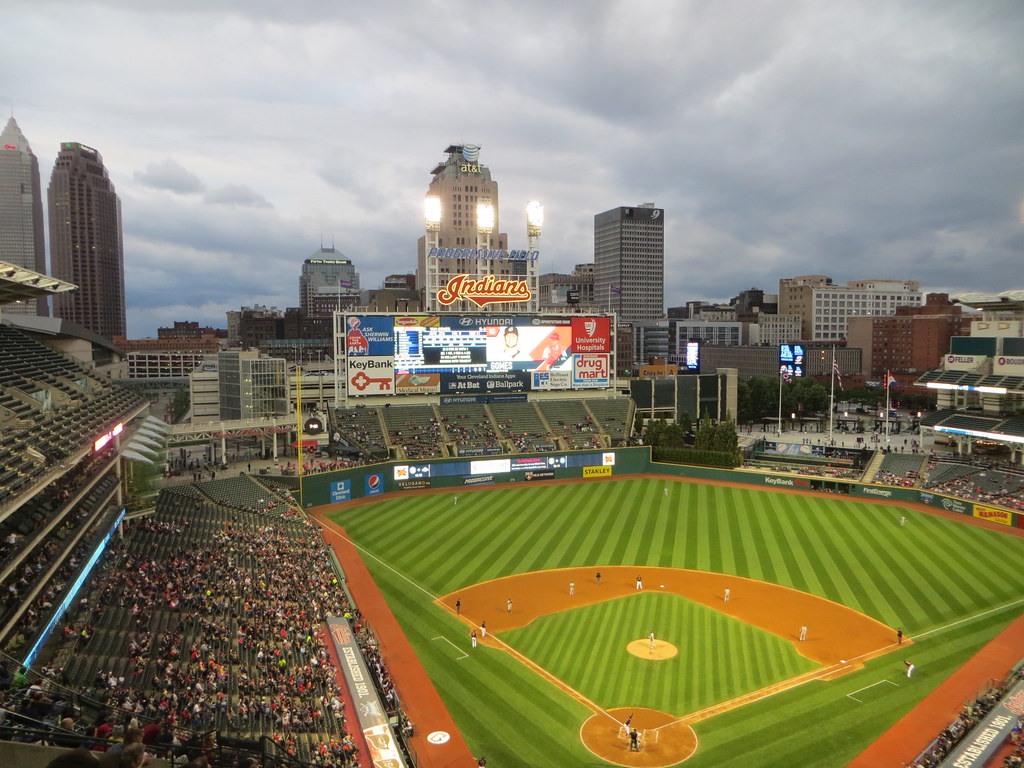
<point x="723" y="682"/>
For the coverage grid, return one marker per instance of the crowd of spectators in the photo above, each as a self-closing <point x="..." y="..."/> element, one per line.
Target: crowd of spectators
<point x="810" y="470"/>
<point x="476" y="434"/>
<point x="353" y="426"/>
<point x="906" y="480"/>
<point x="221" y="630"/>
<point x="971" y="714"/>
<point x="1000" y="487"/>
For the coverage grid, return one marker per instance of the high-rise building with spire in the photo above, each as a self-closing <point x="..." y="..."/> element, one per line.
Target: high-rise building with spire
<point x="464" y="241"/>
<point x="328" y="283"/>
<point x="85" y="241"/>
<point x="21" y="212"/>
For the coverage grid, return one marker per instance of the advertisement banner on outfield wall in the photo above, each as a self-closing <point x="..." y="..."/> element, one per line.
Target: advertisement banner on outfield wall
<point x="597" y="471"/>
<point x="374" y="484"/>
<point x="341" y="491"/>
<point x="993" y="515"/>
<point x="959" y="506"/>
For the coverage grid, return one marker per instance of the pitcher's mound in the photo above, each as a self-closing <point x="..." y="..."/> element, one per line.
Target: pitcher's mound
<point x="664" y="741"/>
<point x="643" y="649"/>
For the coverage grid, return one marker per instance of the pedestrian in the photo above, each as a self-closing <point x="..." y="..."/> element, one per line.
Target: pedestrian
<point x="598" y="577"/>
<point x="666" y="492"/>
<point x="455" y="500"/>
<point x="629" y="721"/>
<point x="483" y="629"/>
<point x="472" y="638"/>
<point x="803" y="633"/>
<point x="458" y="607"/>
<point x="634" y="740"/>
<point x="910" y="668"/>
<point x="651" y="637"/>
<point x="572" y="588"/>
<point x="903" y="520"/>
<point x="639" y="583"/>
<point x="508" y="606"/>
<point x="728" y="594"/>
<point x="899" y="637"/>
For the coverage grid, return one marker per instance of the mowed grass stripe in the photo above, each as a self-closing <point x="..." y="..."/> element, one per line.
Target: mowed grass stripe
<point x="782" y="546"/>
<point x="868" y="584"/>
<point x="533" y="724"/>
<point x="898" y="595"/>
<point x="792" y="528"/>
<point x="701" y="674"/>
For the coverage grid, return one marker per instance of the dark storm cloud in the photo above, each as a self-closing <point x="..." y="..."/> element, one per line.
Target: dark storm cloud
<point x="855" y="138"/>
<point x="236" y="194"/>
<point x="169" y="175"/>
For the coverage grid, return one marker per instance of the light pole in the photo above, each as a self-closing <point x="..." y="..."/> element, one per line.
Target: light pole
<point x="432" y="224"/>
<point x="534" y="225"/>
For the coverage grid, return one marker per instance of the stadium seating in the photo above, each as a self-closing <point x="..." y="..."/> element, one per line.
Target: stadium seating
<point x="900" y="469"/>
<point x="181" y="627"/>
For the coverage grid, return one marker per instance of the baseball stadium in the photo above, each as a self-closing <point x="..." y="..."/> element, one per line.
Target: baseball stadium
<point x="472" y="557"/>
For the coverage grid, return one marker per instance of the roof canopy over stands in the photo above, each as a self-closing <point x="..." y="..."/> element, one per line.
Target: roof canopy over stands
<point x="20" y="284"/>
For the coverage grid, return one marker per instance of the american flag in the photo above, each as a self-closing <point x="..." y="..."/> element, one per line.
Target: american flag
<point x="835" y="370"/>
<point x="890" y="380"/>
<point x="614" y="289"/>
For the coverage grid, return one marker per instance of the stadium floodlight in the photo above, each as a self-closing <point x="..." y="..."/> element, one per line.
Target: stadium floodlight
<point x="534" y="218"/>
<point x="432" y="213"/>
<point x="485" y="218"/>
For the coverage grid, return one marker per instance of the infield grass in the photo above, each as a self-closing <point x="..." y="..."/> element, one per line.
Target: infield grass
<point x="925" y="576"/>
<point x="586" y="648"/>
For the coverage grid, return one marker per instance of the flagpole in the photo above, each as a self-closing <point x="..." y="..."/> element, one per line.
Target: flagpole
<point x="888" y="386"/>
<point x="832" y="397"/>
<point x="780" y="401"/>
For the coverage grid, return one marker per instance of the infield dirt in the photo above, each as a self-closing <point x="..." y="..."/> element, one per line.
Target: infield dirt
<point x="838" y="638"/>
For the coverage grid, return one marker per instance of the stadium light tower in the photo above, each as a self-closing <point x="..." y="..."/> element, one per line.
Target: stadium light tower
<point x="432" y="217"/>
<point x="484" y="224"/>
<point x="534" y="223"/>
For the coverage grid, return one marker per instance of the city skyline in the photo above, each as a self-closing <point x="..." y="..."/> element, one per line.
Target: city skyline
<point x="858" y="140"/>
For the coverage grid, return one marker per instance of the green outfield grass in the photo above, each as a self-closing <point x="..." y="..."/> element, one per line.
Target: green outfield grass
<point x="586" y="648"/>
<point x="953" y="581"/>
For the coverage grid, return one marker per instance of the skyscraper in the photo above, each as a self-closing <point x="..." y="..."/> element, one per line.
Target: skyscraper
<point x="328" y="282"/>
<point x="85" y="241"/>
<point x="21" y="212"/>
<point x="629" y="262"/>
<point x="463" y="237"/>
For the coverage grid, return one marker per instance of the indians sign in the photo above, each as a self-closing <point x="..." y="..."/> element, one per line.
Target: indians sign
<point x="484" y="290"/>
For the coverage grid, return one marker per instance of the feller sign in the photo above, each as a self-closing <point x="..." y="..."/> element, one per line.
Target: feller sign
<point x="485" y="290"/>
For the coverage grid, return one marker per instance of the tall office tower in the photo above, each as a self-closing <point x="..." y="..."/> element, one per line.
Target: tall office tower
<point x="629" y="262"/>
<point x="85" y="241"/>
<point x="463" y="239"/>
<point x="21" y="212"/>
<point x="328" y="283"/>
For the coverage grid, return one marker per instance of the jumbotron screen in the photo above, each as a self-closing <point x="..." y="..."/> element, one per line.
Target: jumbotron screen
<point x="474" y="354"/>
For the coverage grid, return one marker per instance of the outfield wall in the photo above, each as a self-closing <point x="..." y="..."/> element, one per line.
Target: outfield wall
<point x="335" y="488"/>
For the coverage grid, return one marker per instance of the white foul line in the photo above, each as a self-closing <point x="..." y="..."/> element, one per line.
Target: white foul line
<point x="453" y="645"/>
<point x="969" y="618"/>
<point x="368" y="553"/>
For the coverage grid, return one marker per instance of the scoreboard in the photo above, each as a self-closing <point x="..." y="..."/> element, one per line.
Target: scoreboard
<point x="386" y="354"/>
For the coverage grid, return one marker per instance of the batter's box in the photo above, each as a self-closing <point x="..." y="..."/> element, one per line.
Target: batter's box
<point x="873" y="692"/>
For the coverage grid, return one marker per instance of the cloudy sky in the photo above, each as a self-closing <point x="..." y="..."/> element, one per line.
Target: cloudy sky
<point x="856" y="138"/>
